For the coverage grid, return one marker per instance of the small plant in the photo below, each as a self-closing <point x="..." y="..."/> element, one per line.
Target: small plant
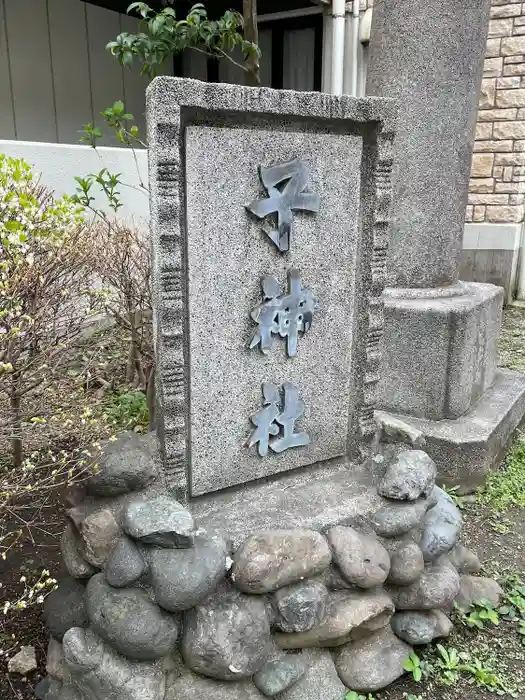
<point x="461" y="501"/>
<point x="449" y="664"/>
<point x="506" y="486"/>
<point x="352" y="695"/>
<point x="413" y="666"/>
<point x="478" y="614"/>
<point x="412" y="697"/>
<point x="129" y="410"/>
<point x="487" y="678"/>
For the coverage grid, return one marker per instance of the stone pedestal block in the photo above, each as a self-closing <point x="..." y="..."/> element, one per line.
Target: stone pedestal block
<point x="439" y="348"/>
<point x="465" y="449"/>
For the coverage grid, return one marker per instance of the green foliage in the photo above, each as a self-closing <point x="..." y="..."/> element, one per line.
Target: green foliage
<point x="352" y="695"/>
<point x="128" y="410"/>
<point x="413" y="666"/>
<point x="108" y="183"/>
<point x="478" y="614"/>
<point x="162" y="36"/>
<point x="448" y="664"/>
<point x="461" y="501"/>
<point x="506" y="487"/>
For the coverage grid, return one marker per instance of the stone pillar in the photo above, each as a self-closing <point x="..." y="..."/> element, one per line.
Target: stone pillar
<point x="440" y="342"/>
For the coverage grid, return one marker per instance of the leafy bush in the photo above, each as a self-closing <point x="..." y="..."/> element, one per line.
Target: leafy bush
<point x="45" y="267"/>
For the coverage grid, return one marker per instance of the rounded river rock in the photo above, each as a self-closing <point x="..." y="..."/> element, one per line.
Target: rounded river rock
<point x="409" y="476"/>
<point x="361" y="558"/>
<point x="125" y="564"/>
<point x="436" y="588"/>
<point x="161" y="521"/>
<point x="65" y="608"/>
<point x="374" y="662"/>
<point x="349" y="615"/>
<point x="300" y="607"/>
<point x="181" y="578"/>
<point x="276" y="676"/>
<point x="227" y="636"/>
<point x="130" y="621"/>
<point x="277" y="558"/>
<point x="441" y="526"/>
<point x="125" y="465"/>
<point x="406" y="562"/>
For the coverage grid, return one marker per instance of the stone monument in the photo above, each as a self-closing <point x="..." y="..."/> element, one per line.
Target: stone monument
<point x="440" y="342"/>
<point x="277" y="548"/>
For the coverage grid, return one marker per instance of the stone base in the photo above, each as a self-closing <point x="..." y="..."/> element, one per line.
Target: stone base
<point x="316" y="498"/>
<point x="439" y="349"/>
<point x="295" y="588"/>
<point x="465" y="449"/>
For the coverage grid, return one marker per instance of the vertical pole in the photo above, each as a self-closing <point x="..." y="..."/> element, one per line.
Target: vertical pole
<point x="251" y="34"/>
<point x="338" y="46"/>
<point x="327" y="50"/>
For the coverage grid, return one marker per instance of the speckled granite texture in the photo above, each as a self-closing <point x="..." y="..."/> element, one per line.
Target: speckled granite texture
<point x="440" y="352"/>
<point x="429" y="55"/>
<point x="439" y="366"/>
<point x="206" y="142"/>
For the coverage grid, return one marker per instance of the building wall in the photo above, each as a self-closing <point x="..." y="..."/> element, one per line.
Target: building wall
<point x="55" y="74"/>
<point x="497" y="185"/>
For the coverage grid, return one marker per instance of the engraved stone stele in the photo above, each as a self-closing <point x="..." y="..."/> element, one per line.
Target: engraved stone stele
<point x="231" y="168"/>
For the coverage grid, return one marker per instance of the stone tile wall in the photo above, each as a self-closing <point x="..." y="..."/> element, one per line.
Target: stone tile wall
<point x="497" y="185"/>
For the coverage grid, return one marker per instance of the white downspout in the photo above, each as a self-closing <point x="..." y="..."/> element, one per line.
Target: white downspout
<point x="355" y="47"/>
<point x="338" y="46"/>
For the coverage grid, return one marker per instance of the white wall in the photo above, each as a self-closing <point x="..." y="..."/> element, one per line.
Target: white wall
<point x="55" y="73"/>
<point x="60" y="163"/>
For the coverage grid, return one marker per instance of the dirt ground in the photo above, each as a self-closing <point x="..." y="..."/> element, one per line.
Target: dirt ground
<point x="497" y="538"/>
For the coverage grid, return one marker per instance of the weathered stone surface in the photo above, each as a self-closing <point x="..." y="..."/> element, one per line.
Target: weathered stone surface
<point x="441" y="527"/>
<point x="42" y="688"/>
<point x="300" y="607"/>
<point x="75" y="563"/>
<point x="406" y="562"/>
<point x="23" y="662"/>
<point x="277" y="558"/>
<point x="55" y="659"/>
<point x="464" y="560"/>
<point x="128" y="619"/>
<point x="102" y="673"/>
<point x="191" y="686"/>
<point x="409" y="476"/>
<point x="334" y="580"/>
<point x="416" y="627"/>
<point x="374" y="662"/>
<point x="125" y="465"/>
<point x="125" y="564"/>
<point x="362" y="559"/>
<point x="65" y="608"/>
<point x="349" y="615"/>
<point x="99" y="533"/>
<point x="227" y="636"/>
<point x="276" y="676"/>
<point x="222" y="370"/>
<point x="476" y="588"/>
<point x="437" y="588"/>
<point x="395" y="430"/>
<point x="395" y="519"/>
<point x="181" y="578"/>
<point x="320" y="681"/>
<point x="69" y="692"/>
<point x="444" y="625"/>
<point x="161" y="521"/>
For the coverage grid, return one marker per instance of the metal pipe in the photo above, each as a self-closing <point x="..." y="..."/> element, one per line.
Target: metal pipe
<point x="355" y="47"/>
<point x="338" y="46"/>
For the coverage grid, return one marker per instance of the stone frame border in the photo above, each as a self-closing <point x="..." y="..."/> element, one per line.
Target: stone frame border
<point x="172" y="103"/>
